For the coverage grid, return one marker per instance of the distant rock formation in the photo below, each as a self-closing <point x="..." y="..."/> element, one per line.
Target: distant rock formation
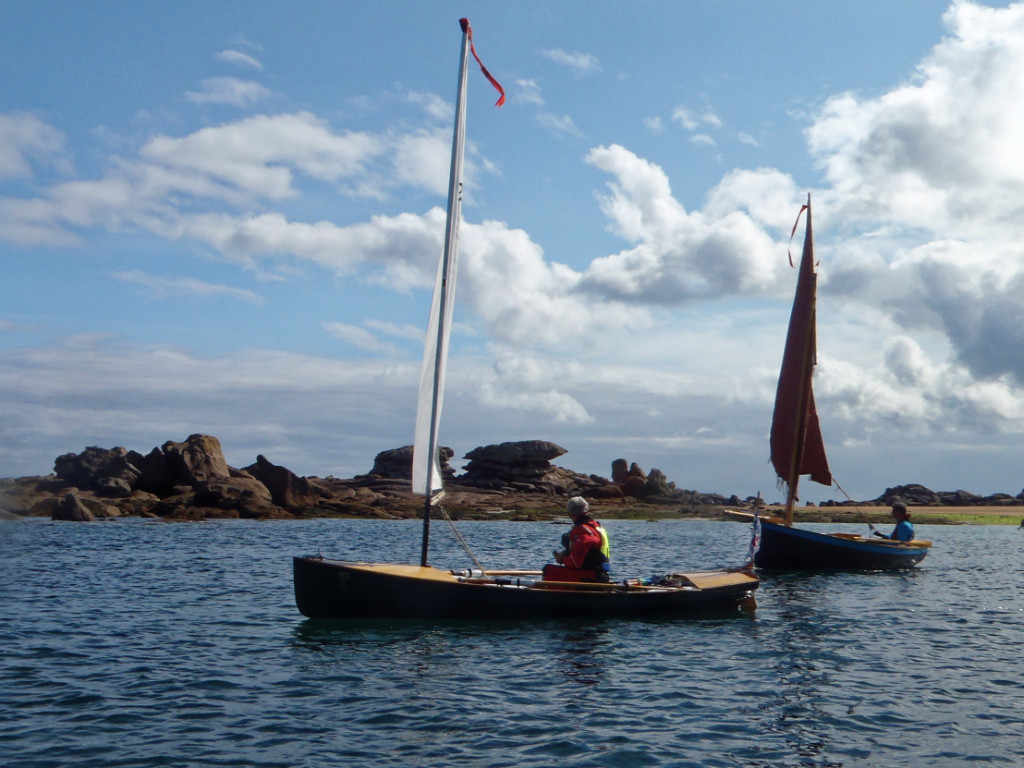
<point x="191" y="480"/>
<point x="188" y="480"/>
<point x="918" y="496"/>
<point x="632" y="481"/>
<point x="522" y="466"/>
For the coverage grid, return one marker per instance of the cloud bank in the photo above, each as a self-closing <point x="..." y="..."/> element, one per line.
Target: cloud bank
<point x="670" y="342"/>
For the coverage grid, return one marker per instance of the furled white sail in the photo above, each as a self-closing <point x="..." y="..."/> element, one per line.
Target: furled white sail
<point x="432" y="376"/>
<point x="426" y="469"/>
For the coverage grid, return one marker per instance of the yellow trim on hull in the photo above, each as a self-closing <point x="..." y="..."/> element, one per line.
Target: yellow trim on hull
<point x="428" y="572"/>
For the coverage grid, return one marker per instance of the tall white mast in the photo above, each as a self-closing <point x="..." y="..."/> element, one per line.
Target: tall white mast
<point x="426" y="467"/>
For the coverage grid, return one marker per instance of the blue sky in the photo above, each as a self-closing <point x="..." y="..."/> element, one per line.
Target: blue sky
<point x="225" y="218"/>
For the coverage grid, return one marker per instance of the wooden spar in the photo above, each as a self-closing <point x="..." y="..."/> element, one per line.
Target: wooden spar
<point x="803" y="392"/>
<point x="451" y="243"/>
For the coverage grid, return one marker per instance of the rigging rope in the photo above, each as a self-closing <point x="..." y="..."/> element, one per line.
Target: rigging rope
<point x="853" y="503"/>
<point x="458" y="537"/>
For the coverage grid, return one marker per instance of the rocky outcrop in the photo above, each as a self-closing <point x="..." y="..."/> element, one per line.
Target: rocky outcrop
<point x="525" y="467"/>
<point x="76" y="507"/>
<point x="658" y="484"/>
<point x="196" y="460"/>
<point x="186" y="480"/>
<point x="109" y="471"/>
<point x="916" y="495"/>
<point x="191" y="480"/>
<point x="286" y="489"/>
<point x="522" y="466"/>
<point x="632" y="480"/>
<point x="116" y="472"/>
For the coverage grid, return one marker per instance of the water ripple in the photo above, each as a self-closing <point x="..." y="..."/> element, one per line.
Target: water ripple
<point x="141" y="644"/>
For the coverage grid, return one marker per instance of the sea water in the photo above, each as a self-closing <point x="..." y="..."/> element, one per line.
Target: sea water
<point x="145" y="643"/>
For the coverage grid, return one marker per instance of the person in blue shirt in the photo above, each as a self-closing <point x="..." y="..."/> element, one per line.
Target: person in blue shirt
<point x="904" y="530"/>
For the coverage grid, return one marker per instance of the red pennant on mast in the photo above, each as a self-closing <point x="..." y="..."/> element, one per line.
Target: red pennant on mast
<point x="469" y="33"/>
<point x="795" y="225"/>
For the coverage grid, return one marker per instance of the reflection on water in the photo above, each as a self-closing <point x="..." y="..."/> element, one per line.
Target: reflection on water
<point x="582" y="654"/>
<point x="797" y="666"/>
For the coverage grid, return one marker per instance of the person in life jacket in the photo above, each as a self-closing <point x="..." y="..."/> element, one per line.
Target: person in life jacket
<point x="586" y="551"/>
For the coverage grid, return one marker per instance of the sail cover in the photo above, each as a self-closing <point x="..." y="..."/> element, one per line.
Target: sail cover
<point x="796" y="444"/>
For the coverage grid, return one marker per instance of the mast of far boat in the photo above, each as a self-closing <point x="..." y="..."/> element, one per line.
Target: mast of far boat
<point x="794" y="400"/>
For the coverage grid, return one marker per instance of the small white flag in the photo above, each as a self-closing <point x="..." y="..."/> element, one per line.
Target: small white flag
<point x="755" y="540"/>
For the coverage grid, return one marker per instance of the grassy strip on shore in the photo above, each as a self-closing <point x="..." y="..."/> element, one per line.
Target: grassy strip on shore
<point x="877" y="516"/>
<point x="921" y="515"/>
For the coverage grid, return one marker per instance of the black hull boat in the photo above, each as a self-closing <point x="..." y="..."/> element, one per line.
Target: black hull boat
<point x="340" y="589"/>
<point x="345" y="590"/>
<point x="795" y="548"/>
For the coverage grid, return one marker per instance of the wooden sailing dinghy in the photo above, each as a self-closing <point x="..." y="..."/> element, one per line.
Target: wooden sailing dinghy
<point x="797" y="448"/>
<point x="344" y="589"/>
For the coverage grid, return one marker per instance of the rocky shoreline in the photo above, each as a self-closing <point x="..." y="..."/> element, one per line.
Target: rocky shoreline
<point x="191" y="480"/>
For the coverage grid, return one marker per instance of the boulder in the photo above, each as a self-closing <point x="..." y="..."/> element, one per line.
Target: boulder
<point x="658" y="484"/>
<point x="608" y="491"/>
<point x="71" y="509"/>
<point x="156" y="475"/>
<point x="396" y="464"/>
<point x="196" y="460"/>
<point x="95" y="467"/>
<point x="632" y="480"/>
<point x="519" y="466"/>
<point x="75" y="505"/>
<point x="100" y="508"/>
<point x="286" y="488"/>
<point x="636" y="471"/>
<point x="114" y="487"/>
<point x="21" y="496"/>
<point x="634" y="486"/>
<point x="524" y="467"/>
<point x="231" y="492"/>
<point x="522" y="452"/>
